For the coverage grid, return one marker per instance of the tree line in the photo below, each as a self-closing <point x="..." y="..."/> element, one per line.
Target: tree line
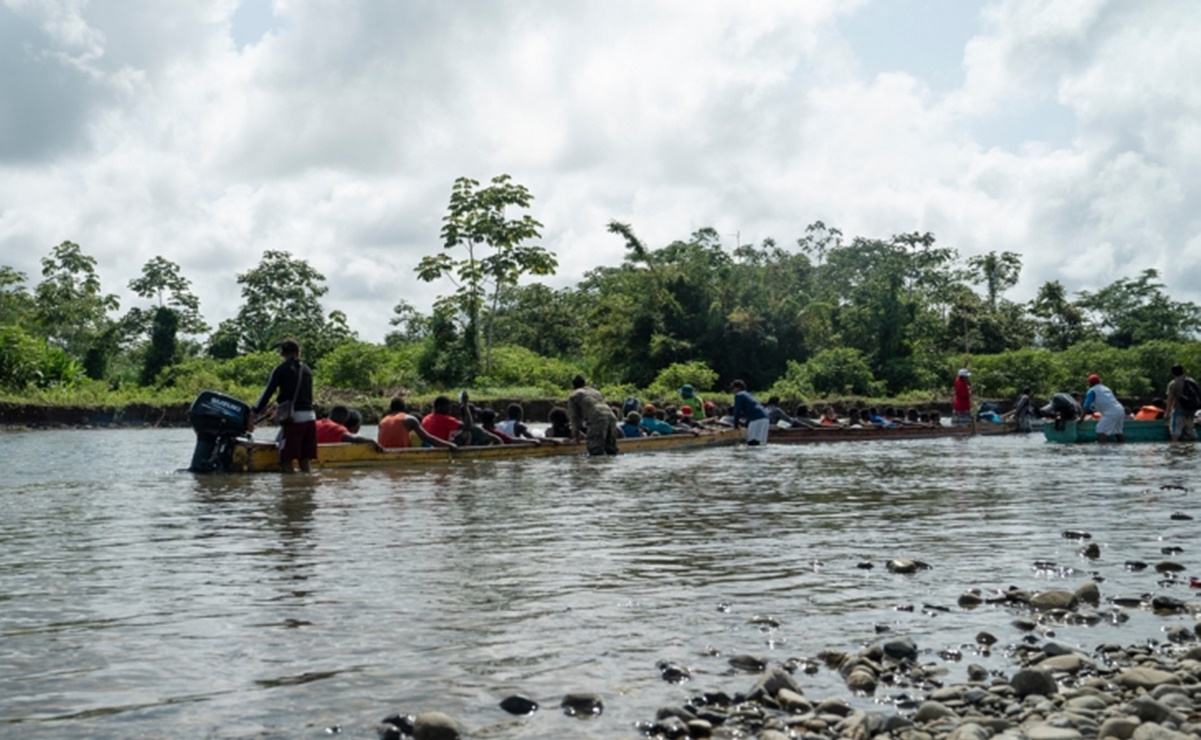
<point x="824" y="316"/>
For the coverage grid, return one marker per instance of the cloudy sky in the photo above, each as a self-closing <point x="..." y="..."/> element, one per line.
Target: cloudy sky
<point x="207" y="131"/>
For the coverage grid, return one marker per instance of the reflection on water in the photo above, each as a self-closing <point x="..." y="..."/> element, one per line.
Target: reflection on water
<point x="140" y="600"/>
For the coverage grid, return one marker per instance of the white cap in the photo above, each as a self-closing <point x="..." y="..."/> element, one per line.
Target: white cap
<point x="963" y="372"/>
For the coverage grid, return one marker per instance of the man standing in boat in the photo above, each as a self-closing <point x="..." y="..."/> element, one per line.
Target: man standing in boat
<point x="961" y="405"/>
<point x="1106" y="403"/>
<point x="1181" y="419"/>
<point x="746" y="405"/>
<point x="587" y="410"/>
<point x="292" y="380"/>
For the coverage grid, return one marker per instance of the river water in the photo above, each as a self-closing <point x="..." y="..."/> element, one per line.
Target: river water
<point x="140" y="601"/>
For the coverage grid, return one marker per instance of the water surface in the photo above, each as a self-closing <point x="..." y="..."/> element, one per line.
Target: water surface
<point x="136" y="600"/>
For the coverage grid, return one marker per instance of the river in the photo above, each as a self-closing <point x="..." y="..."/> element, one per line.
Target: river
<point x="140" y="601"/>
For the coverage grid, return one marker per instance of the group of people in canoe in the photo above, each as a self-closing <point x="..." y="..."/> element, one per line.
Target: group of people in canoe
<point x="1178" y="408"/>
<point x="587" y="418"/>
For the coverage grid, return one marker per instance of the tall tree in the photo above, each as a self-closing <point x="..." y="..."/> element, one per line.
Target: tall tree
<point x="161" y="280"/>
<point x="1132" y="312"/>
<point x="282" y="298"/>
<point x="15" y="301"/>
<point x="1059" y="323"/>
<point x="996" y="272"/>
<point x="69" y="307"/>
<point x="476" y="218"/>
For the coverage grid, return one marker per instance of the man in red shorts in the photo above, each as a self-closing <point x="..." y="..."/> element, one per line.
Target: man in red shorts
<point x="292" y="381"/>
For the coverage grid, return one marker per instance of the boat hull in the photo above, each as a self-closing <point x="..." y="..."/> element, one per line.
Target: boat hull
<point x="1086" y="431"/>
<point x="257" y="457"/>
<point x="801" y="435"/>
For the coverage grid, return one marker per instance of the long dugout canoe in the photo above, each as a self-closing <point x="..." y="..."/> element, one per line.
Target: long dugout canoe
<point x="802" y="435"/>
<point x="255" y="457"/>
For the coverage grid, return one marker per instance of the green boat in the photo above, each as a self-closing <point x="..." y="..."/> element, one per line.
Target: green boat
<point x="1086" y="431"/>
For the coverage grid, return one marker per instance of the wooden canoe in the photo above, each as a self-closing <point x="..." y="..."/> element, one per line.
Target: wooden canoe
<point x="1086" y="431"/>
<point x="253" y="457"/>
<point x="802" y="435"/>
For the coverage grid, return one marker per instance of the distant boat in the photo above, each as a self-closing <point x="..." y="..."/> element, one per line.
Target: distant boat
<point x="802" y="435"/>
<point x="1086" y="431"/>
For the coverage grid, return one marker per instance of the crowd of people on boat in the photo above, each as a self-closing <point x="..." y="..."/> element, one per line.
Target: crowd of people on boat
<point x="588" y="418"/>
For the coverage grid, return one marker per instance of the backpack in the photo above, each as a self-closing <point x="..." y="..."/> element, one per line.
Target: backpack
<point x="1190" y="396"/>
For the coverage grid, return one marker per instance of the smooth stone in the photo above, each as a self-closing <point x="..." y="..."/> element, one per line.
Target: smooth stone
<point x="775" y="679"/>
<point x="1150" y="710"/>
<point x="906" y="565"/>
<point x="1121" y="728"/>
<point x="518" y="704"/>
<point x="1066" y="663"/>
<point x="977" y="672"/>
<point x="1145" y="678"/>
<point x="1168" y="566"/>
<point x="1086" y="702"/>
<point x="1053" y="599"/>
<point x="931" y="710"/>
<point x="1089" y="592"/>
<point x="582" y="704"/>
<point x="901" y="648"/>
<point x="1152" y="731"/>
<point x="987" y="639"/>
<point x="862" y="680"/>
<point x="969" y="731"/>
<point x="1051" y="649"/>
<point x="1044" y="731"/>
<point x="792" y="701"/>
<point x="435" y="726"/>
<point x="748" y="663"/>
<point x="1033" y="681"/>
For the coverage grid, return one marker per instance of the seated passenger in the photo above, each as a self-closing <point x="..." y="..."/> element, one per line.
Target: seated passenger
<point x="775" y="414"/>
<point x="488" y="422"/>
<point x="651" y="423"/>
<point x="399" y="430"/>
<point x="354" y="422"/>
<point x="1152" y="411"/>
<point x="441" y="424"/>
<point x="333" y="429"/>
<point x="560" y="424"/>
<point x="514" y="426"/>
<point x="829" y="417"/>
<point x="629" y="428"/>
<point x="686" y="419"/>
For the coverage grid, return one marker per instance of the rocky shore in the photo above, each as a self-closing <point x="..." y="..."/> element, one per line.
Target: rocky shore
<point x="1048" y="690"/>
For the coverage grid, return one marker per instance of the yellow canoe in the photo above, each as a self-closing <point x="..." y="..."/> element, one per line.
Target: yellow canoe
<point x="257" y="457"/>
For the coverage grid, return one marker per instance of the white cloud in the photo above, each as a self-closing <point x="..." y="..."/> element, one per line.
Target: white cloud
<point x="139" y="128"/>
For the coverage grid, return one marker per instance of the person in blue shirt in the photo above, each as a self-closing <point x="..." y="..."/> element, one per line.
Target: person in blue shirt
<point x="630" y="427"/>
<point x="748" y="407"/>
<point x="651" y="424"/>
<point x="1102" y="399"/>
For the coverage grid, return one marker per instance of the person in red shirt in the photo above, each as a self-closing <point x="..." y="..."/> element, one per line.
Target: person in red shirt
<point x="396" y="427"/>
<point x="961" y="407"/>
<point x="439" y="422"/>
<point x="333" y="430"/>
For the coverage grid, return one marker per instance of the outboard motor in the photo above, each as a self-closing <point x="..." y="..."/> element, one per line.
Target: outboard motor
<point x="218" y="420"/>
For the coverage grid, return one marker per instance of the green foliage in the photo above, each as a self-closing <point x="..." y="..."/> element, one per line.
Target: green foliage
<point x="794" y="383"/>
<point x="15" y="301"/>
<point x="667" y="383"/>
<point x="477" y="217"/>
<point x="162" y="281"/>
<point x="372" y="368"/>
<point x="282" y="300"/>
<point x="162" y="348"/>
<point x="30" y="362"/>
<point x="71" y="311"/>
<point x="1137" y="311"/>
<point x="835" y="372"/>
<point x="1004" y="375"/>
<point x="518" y="367"/>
